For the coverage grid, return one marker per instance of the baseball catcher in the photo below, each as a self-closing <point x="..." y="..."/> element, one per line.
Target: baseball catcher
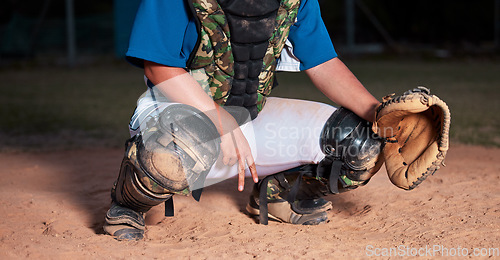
<point x="207" y="115"/>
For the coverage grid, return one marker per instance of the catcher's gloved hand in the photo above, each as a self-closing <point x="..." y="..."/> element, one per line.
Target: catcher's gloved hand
<point x="416" y="128"/>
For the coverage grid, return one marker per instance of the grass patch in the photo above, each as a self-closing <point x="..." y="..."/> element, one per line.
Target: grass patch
<point x="51" y="107"/>
<point x="63" y="107"/>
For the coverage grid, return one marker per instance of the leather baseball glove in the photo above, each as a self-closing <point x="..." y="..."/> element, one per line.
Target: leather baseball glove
<point x="416" y="128"/>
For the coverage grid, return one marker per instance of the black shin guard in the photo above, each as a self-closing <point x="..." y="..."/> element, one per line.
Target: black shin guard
<point x="130" y="192"/>
<point x="131" y="198"/>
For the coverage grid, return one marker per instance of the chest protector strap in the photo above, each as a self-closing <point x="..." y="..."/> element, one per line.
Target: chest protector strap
<point x="238" y="46"/>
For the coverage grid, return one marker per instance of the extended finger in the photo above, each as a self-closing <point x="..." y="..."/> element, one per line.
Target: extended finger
<point x="241" y="174"/>
<point x="252" y="168"/>
<point x="236" y="158"/>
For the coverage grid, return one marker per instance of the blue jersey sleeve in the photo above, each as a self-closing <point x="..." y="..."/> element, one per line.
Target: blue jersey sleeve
<point x="310" y="39"/>
<point x="164" y="32"/>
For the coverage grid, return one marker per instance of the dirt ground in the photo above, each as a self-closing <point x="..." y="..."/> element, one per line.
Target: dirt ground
<point x="53" y="205"/>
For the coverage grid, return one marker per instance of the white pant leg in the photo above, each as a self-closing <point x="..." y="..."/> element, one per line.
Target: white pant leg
<point x="288" y="132"/>
<point x="285" y="134"/>
<point x="149" y="105"/>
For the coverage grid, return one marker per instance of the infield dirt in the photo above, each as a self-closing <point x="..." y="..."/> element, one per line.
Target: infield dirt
<point x="53" y="205"/>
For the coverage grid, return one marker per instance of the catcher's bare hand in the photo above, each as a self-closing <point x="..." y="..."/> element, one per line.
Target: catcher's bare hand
<point x="235" y="149"/>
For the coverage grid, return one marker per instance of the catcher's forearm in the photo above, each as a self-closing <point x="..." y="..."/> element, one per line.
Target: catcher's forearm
<point x="180" y="87"/>
<point x="338" y="83"/>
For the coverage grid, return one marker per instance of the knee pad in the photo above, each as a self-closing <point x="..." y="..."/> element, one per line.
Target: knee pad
<point x="172" y="156"/>
<point x="352" y="149"/>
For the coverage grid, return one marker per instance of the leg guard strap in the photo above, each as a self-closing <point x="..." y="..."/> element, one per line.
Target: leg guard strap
<point x="299" y="193"/>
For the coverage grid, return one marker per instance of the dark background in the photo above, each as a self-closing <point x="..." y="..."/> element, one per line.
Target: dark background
<point x="437" y="28"/>
<point x="455" y="25"/>
<point x="53" y="97"/>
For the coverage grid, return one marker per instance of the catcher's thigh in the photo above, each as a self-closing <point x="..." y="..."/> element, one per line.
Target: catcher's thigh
<point x="285" y="135"/>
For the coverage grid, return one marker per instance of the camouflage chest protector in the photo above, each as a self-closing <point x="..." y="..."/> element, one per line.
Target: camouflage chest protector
<point x="238" y="46"/>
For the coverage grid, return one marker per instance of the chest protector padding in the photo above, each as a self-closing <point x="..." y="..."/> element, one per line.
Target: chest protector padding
<point x="240" y="41"/>
<point x="251" y="30"/>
